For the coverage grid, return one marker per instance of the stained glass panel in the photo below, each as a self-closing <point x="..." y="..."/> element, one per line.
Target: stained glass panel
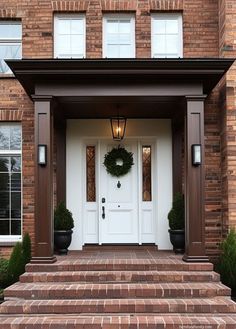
<point x="147" y="173"/>
<point x="90" y="173"/>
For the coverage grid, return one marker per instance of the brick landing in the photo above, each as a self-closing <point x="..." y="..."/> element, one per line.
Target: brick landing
<point x="121" y="288"/>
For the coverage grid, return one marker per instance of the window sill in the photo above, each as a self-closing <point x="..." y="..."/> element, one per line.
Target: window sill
<point x="8" y="243"/>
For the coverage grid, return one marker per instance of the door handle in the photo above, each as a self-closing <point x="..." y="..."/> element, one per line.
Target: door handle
<point x="103" y="212"/>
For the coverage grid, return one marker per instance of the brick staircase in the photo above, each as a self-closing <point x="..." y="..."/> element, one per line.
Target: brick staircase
<point x="118" y="290"/>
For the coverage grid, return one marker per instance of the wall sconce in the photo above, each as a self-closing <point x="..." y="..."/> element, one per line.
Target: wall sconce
<point x="42" y="154"/>
<point x="196" y="154"/>
<point x="118" y="125"/>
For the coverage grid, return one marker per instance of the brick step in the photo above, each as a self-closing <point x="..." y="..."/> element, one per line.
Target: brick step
<point x="120" y="276"/>
<point x="192" y="305"/>
<point x="115" y="290"/>
<point x="114" y="247"/>
<point x="162" y="321"/>
<point x="120" y="265"/>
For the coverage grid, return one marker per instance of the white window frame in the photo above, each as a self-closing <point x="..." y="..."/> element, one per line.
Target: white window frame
<point x="14" y="238"/>
<point x="57" y="17"/>
<point x="174" y="16"/>
<point x="11" y="41"/>
<point x="119" y="17"/>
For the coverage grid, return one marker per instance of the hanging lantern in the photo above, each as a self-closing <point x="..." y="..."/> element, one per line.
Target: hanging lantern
<point x="118" y="125"/>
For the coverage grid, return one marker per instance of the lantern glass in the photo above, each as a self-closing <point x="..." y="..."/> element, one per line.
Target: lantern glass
<point x="196" y="154"/>
<point x="42" y="155"/>
<point x="118" y="125"/>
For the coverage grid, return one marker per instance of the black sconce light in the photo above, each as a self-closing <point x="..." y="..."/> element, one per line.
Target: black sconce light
<point x="196" y="154"/>
<point x="42" y="154"/>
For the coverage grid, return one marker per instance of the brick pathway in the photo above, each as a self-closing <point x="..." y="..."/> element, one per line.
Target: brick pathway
<point x="119" y="288"/>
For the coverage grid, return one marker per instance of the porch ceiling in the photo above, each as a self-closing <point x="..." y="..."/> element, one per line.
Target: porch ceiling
<point x="160" y="81"/>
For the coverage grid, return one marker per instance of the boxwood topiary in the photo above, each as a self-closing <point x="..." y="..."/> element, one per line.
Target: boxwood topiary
<point x="63" y="220"/>
<point x="26" y="248"/>
<point x="3" y="272"/>
<point x="16" y="265"/>
<point x="176" y="216"/>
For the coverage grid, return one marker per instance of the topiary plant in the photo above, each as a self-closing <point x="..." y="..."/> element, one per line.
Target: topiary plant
<point x="26" y="248"/>
<point x="176" y="216"/>
<point x="3" y="272"/>
<point x="63" y="220"/>
<point x="227" y="261"/>
<point x="16" y="265"/>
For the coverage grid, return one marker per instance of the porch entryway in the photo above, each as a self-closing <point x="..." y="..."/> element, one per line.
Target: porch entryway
<point x="130" y="209"/>
<point x="118" y="288"/>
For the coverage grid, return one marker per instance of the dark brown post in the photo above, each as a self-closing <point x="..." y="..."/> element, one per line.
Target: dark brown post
<point x="194" y="182"/>
<point x="44" y="182"/>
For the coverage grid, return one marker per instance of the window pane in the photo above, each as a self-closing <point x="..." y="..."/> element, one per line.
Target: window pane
<point x="77" y="26"/>
<point x="8" y="52"/>
<point x="125" y="39"/>
<point x="4" y="205"/>
<point x="125" y="51"/>
<point x="159" y="26"/>
<point x="147" y="173"/>
<point x="15" y="138"/>
<point x="4" y="137"/>
<point x="15" y="227"/>
<point x="112" y="26"/>
<point x="4" y="164"/>
<point x="160" y="44"/>
<point x="64" y="45"/>
<point x="125" y="27"/>
<point x="10" y="30"/>
<point x="63" y="26"/>
<point x="113" y="39"/>
<point x="77" y="45"/>
<point x="4" y="182"/>
<point x="4" y="227"/>
<point x="113" y="51"/>
<point x="172" y="44"/>
<point x="16" y="182"/>
<point x="91" y="176"/>
<point x="172" y="26"/>
<point x="16" y="164"/>
<point x="15" y="205"/>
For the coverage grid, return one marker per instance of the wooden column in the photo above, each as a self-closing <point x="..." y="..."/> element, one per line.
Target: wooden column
<point x="44" y="182"/>
<point x="194" y="182"/>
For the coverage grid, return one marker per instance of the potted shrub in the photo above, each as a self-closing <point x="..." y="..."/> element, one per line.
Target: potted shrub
<point x="176" y="218"/>
<point x="63" y="224"/>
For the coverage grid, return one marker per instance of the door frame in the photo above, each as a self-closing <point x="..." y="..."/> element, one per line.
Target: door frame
<point x="140" y="141"/>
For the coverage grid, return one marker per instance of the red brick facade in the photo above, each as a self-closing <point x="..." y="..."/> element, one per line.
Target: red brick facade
<point x="207" y="32"/>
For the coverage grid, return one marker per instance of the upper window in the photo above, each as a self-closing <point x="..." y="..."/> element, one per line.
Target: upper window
<point x="10" y="182"/>
<point x="69" y="36"/>
<point x="119" y="36"/>
<point x="10" y="43"/>
<point x="167" y="41"/>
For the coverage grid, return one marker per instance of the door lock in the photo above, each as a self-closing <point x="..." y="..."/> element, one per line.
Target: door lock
<point x="103" y="212"/>
<point x="103" y="200"/>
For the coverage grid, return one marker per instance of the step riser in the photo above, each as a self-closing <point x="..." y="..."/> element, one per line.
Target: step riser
<point x="119" y="267"/>
<point x="116" y="293"/>
<point x="110" y="309"/>
<point x="118" y="277"/>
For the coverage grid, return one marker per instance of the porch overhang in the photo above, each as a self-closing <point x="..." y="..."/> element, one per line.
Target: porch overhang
<point x="141" y="76"/>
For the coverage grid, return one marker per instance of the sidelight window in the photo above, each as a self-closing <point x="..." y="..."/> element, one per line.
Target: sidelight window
<point x="10" y="182"/>
<point x="91" y="173"/>
<point x="147" y="172"/>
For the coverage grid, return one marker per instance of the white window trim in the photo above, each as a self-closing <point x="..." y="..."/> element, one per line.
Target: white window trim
<point x="118" y="17"/>
<point x="57" y="17"/>
<point x="14" y="238"/>
<point x="164" y="17"/>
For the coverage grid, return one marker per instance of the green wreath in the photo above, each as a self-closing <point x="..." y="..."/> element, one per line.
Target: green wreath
<point x="118" y="161"/>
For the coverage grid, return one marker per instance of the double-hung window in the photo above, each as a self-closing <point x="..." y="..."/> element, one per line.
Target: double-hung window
<point x="119" y="36"/>
<point x="167" y="40"/>
<point x="69" y="36"/>
<point x="10" y="182"/>
<point x="10" y="43"/>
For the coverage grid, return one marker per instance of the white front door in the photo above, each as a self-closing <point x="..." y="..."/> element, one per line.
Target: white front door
<point x="118" y="200"/>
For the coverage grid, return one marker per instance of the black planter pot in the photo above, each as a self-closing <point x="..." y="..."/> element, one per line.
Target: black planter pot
<point x="62" y="240"/>
<point x="177" y="238"/>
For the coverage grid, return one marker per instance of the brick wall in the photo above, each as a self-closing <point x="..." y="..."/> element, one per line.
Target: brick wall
<point x="208" y="32"/>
